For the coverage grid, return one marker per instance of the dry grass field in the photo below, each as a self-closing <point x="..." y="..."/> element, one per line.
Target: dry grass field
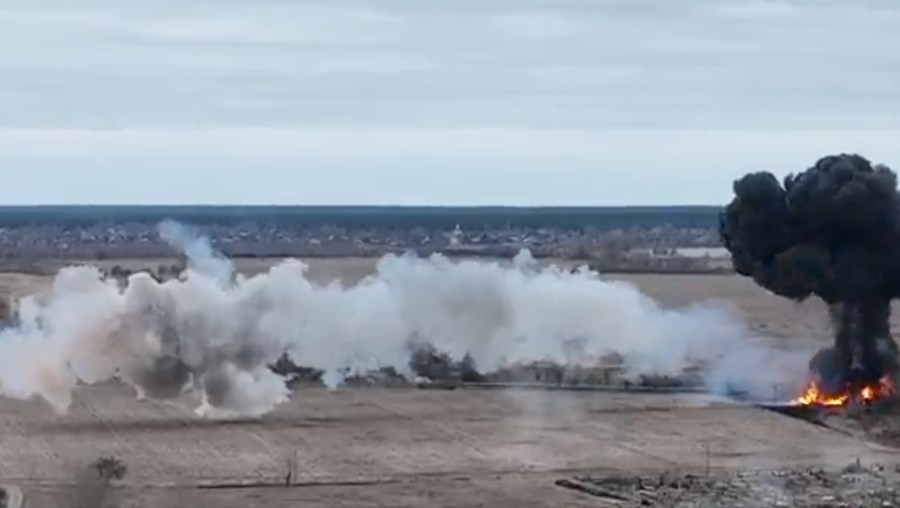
<point x="415" y="448"/>
<point x="400" y="447"/>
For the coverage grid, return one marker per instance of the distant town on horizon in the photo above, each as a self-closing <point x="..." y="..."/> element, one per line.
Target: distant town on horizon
<point x="640" y="238"/>
<point x="472" y="216"/>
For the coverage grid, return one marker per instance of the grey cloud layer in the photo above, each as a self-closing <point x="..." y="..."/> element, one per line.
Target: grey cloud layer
<point x="408" y="166"/>
<point x="442" y="63"/>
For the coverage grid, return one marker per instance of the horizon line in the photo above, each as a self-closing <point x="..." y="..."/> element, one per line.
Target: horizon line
<point x="358" y="206"/>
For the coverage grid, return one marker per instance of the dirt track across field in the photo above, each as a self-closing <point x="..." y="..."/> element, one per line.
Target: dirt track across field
<point x="402" y="447"/>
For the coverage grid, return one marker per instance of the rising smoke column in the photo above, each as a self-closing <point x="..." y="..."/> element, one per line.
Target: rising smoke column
<point x="214" y="333"/>
<point x="832" y="231"/>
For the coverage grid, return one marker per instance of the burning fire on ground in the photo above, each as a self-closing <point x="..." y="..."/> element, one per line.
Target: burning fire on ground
<point x="867" y="394"/>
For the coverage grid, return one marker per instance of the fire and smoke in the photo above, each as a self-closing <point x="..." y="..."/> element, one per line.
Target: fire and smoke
<point x="215" y="333"/>
<point x="832" y="231"/>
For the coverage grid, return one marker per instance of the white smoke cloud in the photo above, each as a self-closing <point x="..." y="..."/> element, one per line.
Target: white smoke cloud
<point x="202" y="257"/>
<point x="215" y="334"/>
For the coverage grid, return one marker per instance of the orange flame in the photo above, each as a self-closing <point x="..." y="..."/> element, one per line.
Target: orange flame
<point x="813" y="396"/>
<point x="867" y="394"/>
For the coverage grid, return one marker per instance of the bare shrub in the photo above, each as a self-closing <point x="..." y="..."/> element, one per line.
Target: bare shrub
<point x="109" y="468"/>
<point x="93" y="486"/>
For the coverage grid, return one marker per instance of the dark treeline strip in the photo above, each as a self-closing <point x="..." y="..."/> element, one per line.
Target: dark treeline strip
<point x="370" y="217"/>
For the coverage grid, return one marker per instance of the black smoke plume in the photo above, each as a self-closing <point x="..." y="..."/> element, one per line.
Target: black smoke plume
<point x="831" y="231"/>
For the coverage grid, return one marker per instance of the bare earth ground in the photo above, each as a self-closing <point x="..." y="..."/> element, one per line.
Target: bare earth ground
<point x="402" y="447"/>
<point x="434" y="448"/>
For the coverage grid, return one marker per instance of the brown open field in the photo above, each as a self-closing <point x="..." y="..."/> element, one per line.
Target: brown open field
<point x="417" y="448"/>
<point x="401" y="447"/>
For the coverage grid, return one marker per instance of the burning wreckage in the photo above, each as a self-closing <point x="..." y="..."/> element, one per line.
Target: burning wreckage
<point x="832" y="232"/>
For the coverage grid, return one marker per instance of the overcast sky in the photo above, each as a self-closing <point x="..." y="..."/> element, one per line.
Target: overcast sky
<point x="523" y="102"/>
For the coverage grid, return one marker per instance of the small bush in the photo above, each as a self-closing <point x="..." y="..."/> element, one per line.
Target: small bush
<point x="109" y="468"/>
<point x="94" y="485"/>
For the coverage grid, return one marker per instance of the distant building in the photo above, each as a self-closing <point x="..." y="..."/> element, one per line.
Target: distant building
<point x="703" y="252"/>
<point x="714" y="258"/>
<point x="681" y="252"/>
<point x="456" y="237"/>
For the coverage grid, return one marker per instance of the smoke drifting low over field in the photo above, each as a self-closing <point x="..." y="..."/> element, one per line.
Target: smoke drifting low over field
<point x="215" y="333"/>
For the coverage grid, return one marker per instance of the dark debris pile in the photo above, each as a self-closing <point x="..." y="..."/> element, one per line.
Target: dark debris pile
<point x="853" y="486"/>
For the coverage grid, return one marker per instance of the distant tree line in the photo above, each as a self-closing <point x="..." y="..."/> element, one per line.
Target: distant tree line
<point x="370" y="217"/>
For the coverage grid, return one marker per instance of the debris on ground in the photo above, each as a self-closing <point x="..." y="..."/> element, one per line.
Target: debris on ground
<point x="854" y="485"/>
